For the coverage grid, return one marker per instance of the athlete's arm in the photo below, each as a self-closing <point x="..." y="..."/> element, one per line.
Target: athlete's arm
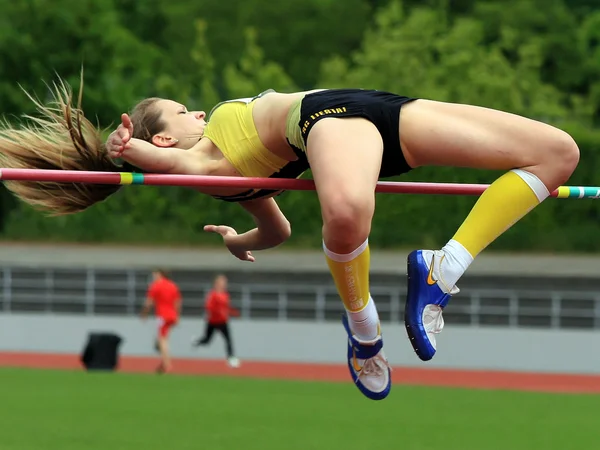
<point x="272" y="229"/>
<point x="146" y="308"/>
<point x="178" y="301"/>
<point x="209" y="303"/>
<point x="151" y="158"/>
<point x="178" y="307"/>
<point x="146" y="156"/>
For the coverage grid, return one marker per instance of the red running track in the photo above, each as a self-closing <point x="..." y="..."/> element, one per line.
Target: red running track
<point x="540" y="382"/>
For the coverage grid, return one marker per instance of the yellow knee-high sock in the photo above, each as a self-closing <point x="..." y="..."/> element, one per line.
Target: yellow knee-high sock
<point x="350" y="273"/>
<point x="505" y="202"/>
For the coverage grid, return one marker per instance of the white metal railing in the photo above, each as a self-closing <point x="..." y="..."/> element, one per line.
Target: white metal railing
<point x="95" y="291"/>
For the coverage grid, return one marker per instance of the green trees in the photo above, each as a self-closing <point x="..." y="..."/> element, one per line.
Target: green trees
<point x="531" y="57"/>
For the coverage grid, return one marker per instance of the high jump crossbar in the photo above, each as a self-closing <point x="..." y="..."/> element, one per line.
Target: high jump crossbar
<point x="288" y="184"/>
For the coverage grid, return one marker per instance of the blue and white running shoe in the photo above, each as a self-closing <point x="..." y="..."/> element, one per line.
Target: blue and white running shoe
<point x="425" y="300"/>
<point x="368" y="365"/>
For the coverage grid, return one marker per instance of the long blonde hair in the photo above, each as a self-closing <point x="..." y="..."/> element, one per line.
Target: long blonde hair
<point x="59" y="138"/>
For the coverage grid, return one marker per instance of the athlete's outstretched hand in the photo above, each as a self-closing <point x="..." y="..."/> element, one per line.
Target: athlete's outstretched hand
<point x="232" y="241"/>
<point x="119" y="140"/>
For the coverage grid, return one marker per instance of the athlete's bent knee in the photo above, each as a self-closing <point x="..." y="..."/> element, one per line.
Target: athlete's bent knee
<point x="347" y="221"/>
<point x="564" y="154"/>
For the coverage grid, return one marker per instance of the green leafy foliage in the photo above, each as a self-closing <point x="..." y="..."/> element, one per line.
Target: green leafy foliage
<point x="537" y="58"/>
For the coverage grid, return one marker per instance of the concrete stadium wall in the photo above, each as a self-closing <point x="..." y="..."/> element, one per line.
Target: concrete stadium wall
<point x="276" y="260"/>
<point x="297" y="341"/>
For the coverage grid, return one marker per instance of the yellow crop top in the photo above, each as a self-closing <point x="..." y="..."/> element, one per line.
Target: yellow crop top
<point x="231" y="128"/>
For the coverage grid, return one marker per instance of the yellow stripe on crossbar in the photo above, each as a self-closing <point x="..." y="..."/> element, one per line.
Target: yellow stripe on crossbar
<point x="126" y="178"/>
<point x="563" y="192"/>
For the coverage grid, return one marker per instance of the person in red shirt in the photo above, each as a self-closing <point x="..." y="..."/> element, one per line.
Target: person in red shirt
<point x="163" y="294"/>
<point x="219" y="310"/>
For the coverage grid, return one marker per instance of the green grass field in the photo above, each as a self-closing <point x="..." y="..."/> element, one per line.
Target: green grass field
<point x="63" y="410"/>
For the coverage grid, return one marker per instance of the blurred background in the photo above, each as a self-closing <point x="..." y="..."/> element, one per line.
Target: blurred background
<point x="530" y="302"/>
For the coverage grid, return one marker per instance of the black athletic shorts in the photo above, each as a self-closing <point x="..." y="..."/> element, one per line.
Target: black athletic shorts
<point x="380" y="108"/>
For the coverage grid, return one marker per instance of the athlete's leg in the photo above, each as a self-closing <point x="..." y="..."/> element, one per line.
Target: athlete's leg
<point x="224" y="329"/>
<point x="208" y="334"/>
<point x="539" y="158"/>
<point x="163" y="347"/>
<point x="345" y="159"/>
<point x="231" y="359"/>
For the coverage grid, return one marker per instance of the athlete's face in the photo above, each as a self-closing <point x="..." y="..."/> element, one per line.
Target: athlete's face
<point x="221" y="283"/>
<point x="183" y="128"/>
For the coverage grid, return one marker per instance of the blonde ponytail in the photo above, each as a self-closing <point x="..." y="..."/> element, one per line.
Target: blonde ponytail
<point x="59" y="138"/>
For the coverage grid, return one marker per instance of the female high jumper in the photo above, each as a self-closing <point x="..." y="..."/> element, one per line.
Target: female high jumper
<point x="349" y="138"/>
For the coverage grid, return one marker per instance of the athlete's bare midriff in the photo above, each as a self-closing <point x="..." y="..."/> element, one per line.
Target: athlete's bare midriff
<point x="270" y="114"/>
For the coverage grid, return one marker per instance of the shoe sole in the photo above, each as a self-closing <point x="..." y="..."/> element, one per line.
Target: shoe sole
<point x="412" y="337"/>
